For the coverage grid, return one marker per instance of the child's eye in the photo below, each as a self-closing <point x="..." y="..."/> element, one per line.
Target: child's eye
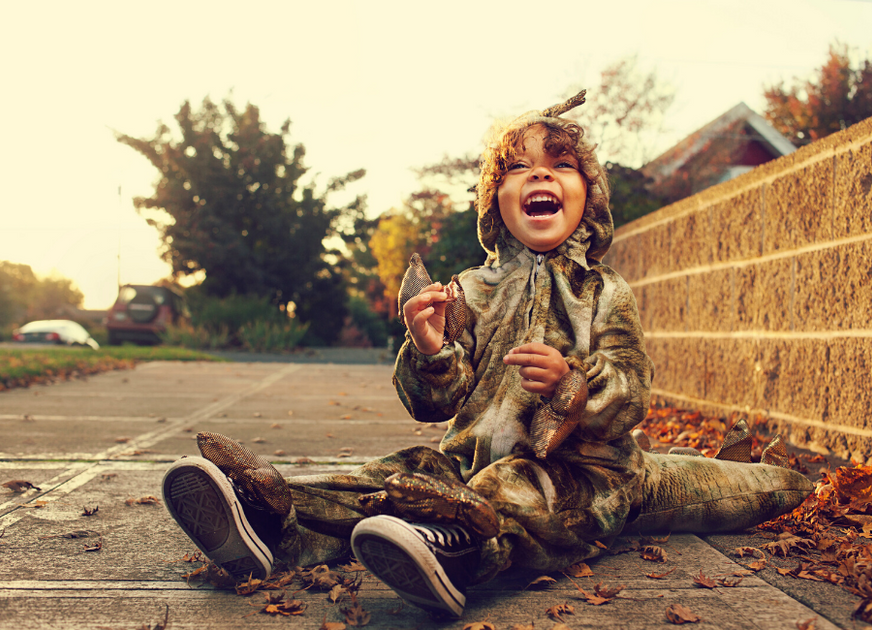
<point x="566" y="165"/>
<point x="517" y="165"/>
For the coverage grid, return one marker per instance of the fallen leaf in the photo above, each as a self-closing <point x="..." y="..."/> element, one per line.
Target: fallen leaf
<point x="555" y="612"/>
<point x="251" y="585"/>
<point x="108" y="476"/>
<point x="600" y="545"/>
<point x="275" y="425"/>
<point x="149" y="500"/>
<point x="258" y="440"/>
<point x="355" y="615"/>
<point x="808" y="624"/>
<point x="332" y="625"/>
<point x="741" y="552"/>
<point x="543" y="581"/>
<point x="479" y="625"/>
<point x="95" y="547"/>
<point x="659" y="576"/>
<point x="352" y="567"/>
<point x="519" y="626"/>
<point x="730" y="582"/>
<point x="20" y="485"/>
<point x="257" y="414"/>
<point x="609" y="592"/>
<point x="653" y="553"/>
<point x="702" y="581"/>
<point x="678" y="614"/>
<point x="304" y="461"/>
<point x="759" y="565"/>
<point x="279" y="453"/>
<point x="578" y="570"/>
<point x="122" y="440"/>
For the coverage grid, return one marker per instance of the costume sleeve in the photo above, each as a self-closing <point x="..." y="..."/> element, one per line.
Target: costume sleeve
<point x="619" y="372"/>
<point x="434" y="387"/>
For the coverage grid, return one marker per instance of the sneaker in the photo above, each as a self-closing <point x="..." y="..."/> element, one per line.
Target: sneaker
<point x="203" y="502"/>
<point x="427" y="565"/>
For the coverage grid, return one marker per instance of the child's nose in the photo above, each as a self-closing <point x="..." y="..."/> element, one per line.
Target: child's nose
<point x="540" y="173"/>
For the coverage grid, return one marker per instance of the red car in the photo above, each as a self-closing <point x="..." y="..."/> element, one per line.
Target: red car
<point x="142" y="312"/>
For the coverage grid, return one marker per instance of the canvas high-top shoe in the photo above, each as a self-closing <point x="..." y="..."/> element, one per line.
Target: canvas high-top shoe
<point x="428" y="565"/>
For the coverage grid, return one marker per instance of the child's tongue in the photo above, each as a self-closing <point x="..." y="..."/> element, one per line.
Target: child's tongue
<point x="541" y="208"/>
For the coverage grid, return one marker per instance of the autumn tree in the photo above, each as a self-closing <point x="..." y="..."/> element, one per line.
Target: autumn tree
<point x="836" y="97"/>
<point x="238" y="209"/>
<point x="624" y="114"/>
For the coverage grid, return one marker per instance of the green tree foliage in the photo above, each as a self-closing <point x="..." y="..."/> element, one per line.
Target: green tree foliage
<point x="240" y="211"/>
<point x="836" y="97"/>
<point x="24" y="297"/>
<point x="630" y="196"/>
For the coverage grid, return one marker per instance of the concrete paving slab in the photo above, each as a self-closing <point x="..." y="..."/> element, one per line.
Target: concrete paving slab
<point x="49" y="581"/>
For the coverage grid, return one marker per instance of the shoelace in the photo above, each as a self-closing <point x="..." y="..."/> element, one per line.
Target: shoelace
<point x="443" y="535"/>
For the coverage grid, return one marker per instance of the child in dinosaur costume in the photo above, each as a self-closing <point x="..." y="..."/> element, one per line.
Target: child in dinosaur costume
<point x="537" y="361"/>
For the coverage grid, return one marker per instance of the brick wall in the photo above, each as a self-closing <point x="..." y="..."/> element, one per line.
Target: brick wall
<point x="756" y="294"/>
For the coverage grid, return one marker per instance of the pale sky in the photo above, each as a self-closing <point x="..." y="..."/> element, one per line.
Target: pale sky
<point x="386" y="86"/>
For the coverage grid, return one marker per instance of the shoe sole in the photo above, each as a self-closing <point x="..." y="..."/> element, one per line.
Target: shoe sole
<point x="202" y="501"/>
<point x="392" y="551"/>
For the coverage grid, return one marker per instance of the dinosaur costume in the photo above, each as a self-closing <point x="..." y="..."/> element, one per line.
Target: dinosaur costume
<point x="543" y="483"/>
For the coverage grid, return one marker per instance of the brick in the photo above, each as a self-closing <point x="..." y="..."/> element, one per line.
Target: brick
<point x="853" y="193"/>
<point x="848" y="382"/>
<point x="791" y="376"/>
<point x="680" y="365"/>
<point x="665" y="305"/>
<point x="798" y="208"/>
<point x="691" y="240"/>
<point x="709" y="302"/>
<point x="655" y="251"/>
<point x="762" y="296"/>
<point x="623" y="257"/>
<point x="733" y="379"/>
<point x="833" y="288"/>
<point x="737" y="226"/>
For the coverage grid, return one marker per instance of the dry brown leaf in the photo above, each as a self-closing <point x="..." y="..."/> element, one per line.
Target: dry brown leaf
<point x="304" y="461"/>
<point x="35" y="504"/>
<point x="122" y="440"/>
<point x="808" y="624"/>
<point x="659" y="576"/>
<point x="520" y="626"/>
<point x="600" y="545"/>
<point x="332" y="625"/>
<point x="785" y="542"/>
<point x="678" y="614"/>
<point x="730" y="582"/>
<point x="741" y="552"/>
<point x="148" y="500"/>
<point x="251" y="585"/>
<point x="759" y="565"/>
<point x="352" y="567"/>
<point x="86" y="511"/>
<point x="703" y="581"/>
<point x="355" y="615"/>
<point x="555" y="612"/>
<point x="578" y="570"/>
<point x="279" y="453"/>
<point x="258" y="440"/>
<point x="276" y="604"/>
<point x="479" y="625"/>
<point x="653" y="553"/>
<point x="608" y="592"/>
<point x="541" y="582"/>
<point x="20" y="485"/>
<point x="95" y="547"/>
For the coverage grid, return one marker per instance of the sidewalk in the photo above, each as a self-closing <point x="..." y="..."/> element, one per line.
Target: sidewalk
<point x="104" y="443"/>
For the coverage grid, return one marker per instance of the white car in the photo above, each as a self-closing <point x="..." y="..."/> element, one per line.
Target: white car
<point x="57" y="331"/>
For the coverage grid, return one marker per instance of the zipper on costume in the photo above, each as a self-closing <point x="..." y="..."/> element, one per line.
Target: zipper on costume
<point x="539" y="259"/>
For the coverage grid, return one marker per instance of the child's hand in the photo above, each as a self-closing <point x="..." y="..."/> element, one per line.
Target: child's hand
<point x="424" y="315"/>
<point x="541" y="367"/>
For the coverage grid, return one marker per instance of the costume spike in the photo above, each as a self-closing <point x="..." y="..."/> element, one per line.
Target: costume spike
<point x="556" y="110"/>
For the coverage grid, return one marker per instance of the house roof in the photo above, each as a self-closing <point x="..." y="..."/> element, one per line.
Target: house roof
<point x="671" y="160"/>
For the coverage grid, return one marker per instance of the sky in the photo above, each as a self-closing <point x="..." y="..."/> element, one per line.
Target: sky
<point x="385" y="86"/>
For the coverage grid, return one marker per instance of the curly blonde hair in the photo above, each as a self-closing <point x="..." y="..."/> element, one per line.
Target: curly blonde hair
<point x="561" y="136"/>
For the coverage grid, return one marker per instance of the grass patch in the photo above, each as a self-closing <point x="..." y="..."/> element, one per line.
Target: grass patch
<point x="25" y="367"/>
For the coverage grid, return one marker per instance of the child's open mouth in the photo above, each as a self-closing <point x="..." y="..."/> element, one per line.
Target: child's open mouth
<point x="541" y="205"/>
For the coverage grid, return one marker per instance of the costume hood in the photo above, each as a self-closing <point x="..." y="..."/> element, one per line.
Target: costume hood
<point x="593" y="237"/>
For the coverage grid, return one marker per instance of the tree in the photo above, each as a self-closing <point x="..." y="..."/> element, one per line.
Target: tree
<point x="630" y="196"/>
<point x="25" y="297"/>
<point x="240" y="212"/>
<point x="623" y="114"/>
<point x="836" y="97"/>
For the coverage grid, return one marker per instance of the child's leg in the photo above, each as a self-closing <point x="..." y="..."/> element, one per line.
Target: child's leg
<point x="553" y="512"/>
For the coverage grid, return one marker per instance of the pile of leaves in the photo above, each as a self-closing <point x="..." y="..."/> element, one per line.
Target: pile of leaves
<point x="829" y="535"/>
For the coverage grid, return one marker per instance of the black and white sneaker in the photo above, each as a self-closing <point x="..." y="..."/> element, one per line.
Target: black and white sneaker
<point x="429" y="566"/>
<point x="202" y="501"/>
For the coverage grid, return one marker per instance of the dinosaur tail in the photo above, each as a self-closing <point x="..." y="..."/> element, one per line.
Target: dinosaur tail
<point x="696" y="494"/>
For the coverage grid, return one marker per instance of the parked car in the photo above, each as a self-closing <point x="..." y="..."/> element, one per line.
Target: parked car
<point x="142" y="312"/>
<point x="57" y="331"/>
